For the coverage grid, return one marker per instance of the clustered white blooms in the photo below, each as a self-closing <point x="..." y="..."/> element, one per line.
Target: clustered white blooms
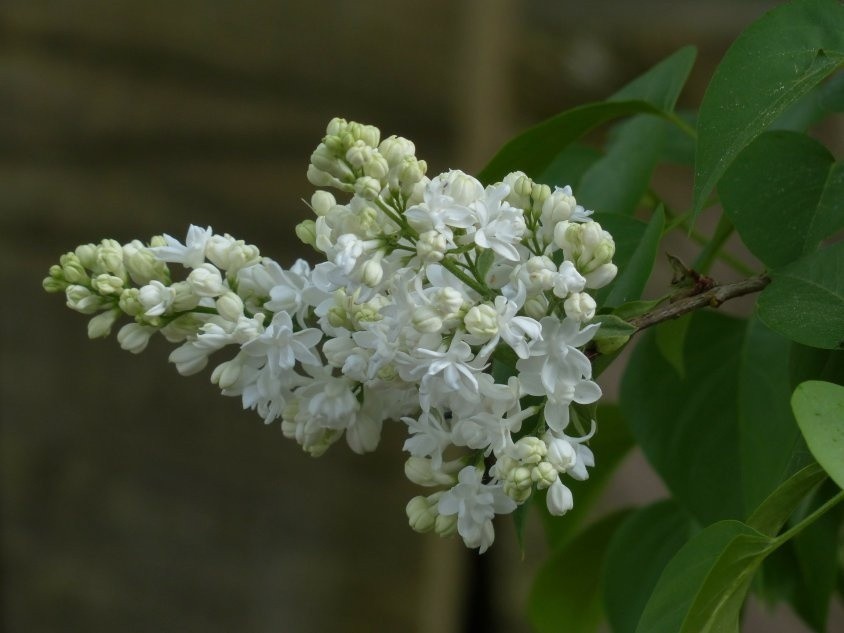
<point x="460" y="310"/>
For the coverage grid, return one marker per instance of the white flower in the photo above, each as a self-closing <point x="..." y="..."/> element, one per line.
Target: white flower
<point x="499" y="226"/>
<point x="283" y="346"/>
<point x="559" y="499"/>
<point x="191" y="254"/>
<point x="475" y="504"/>
<point x="156" y="298"/>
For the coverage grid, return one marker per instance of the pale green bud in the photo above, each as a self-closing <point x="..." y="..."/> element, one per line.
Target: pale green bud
<point x="426" y="319"/>
<point x="421" y="514"/>
<point x="481" y="320"/>
<point x="336" y="126"/>
<point x="107" y="284"/>
<point x="206" y="281"/>
<point x="580" y="306"/>
<point x="368" y="188"/>
<point x="157" y="240"/>
<point x="530" y="450"/>
<point x="52" y="284"/>
<point x="110" y="257"/>
<point x="445" y="525"/>
<point x="142" y="265"/>
<point x="601" y="276"/>
<point x="540" y="194"/>
<point x="130" y="303"/>
<point x="100" y="325"/>
<point x="376" y="167"/>
<point x="543" y="475"/>
<point x="372" y="273"/>
<point x="227" y="373"/>
<point x="358" y="154"/>
<point x="230" y="306"/>
<point x="184" y="298"/>
<point x="74" y="272"/>
<point x="338" y="317"/>
<point x="431" y="247"/>
<point x="322" y="202"/>
<point x="395" y="149"/>
<point x="87" y="254"/>
<point x="536" y="307"/>
<point x="82" y="300"/>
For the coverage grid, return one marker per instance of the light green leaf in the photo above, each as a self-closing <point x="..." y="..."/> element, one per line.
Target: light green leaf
<point x="611" y="444"/>
<point x="819" y="409"/>
<point x="638" y="552"/>
<point x="784" y="194"/>
<point x="612" y="326"/>
<point x="768" y="433"/>
<point x="566" y="593"/>
<point x="634" y="274"/>
<point x="687" y="427"/>
<point x="662" y="84"/>
<point x="773" y="63"/>
<point x="805" y="300"/>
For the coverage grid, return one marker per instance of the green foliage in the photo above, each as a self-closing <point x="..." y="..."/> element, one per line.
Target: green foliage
<point x="784" y="194"/>
<point x="819" y="409"/>
<point x="805" y="301"/>
<point x="708" y="397"/>
<point x="777" y="60"/>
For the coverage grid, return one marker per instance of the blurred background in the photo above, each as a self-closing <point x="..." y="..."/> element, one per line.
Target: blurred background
<point x="136" y="500"/>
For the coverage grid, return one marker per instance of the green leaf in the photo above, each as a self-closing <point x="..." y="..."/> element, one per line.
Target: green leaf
<point x="687" y="427"/>
<point x="611" y="444"/>
<point x="612" y="326"/>
<point x="569" y="165"/>
<point x="636" y="556"/>
<point x="819" y="409"/>
<point x="784" y="194"/>
<point x="769" y="517"/>
<point x="634" y="274"/>
<point x="566" y="592"/>
<point x="662" y="84"/>
<point x="768" y="433"/>
<point x="704" y="585"/>
<point x="535" y="150"/>
<point x="671" y="339"/>
<point x="773" y="63"/>
<point x="632" y="309"/>
<point x="617" y="182"/>
<point x="805" y="300"/>
<point x="821" y="101"/>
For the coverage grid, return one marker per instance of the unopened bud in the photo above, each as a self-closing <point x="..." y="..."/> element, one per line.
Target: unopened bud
<point x="100" y="325"/>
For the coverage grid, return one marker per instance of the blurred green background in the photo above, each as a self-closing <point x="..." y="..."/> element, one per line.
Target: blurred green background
<point x="137" y="500"/>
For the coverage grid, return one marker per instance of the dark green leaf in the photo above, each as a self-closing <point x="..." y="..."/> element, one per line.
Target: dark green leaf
<point x="566" y="592"/>
<point x="632" y="309"/>
<point x="617" y="182"/>
<point x="784" y="194"/>
<point x="819" y="409"/>
<point x="704" y="585"/>
<point x="688" y="427"/>
<point x="773" y="63"/>
<point x="634" y="274"/>
<point x="821" y="101"/>
<point x="662" y="84"/>
<point x="569" y="165"/>
<point x="805" y="300"/>
<point x="772" y="513"/>
<point x="534" y="150"/>
<point x="768" y="433"/>
<point x="636" y="556"/>
<point x="610" y="444"/>
<point x="671" y="340"/>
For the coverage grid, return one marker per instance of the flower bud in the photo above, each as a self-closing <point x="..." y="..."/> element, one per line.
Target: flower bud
<point x="306" y="232"/>
<point x="426" y="319"/>
<point x="110" y="257"/>
<point x="227" y="373"/>
<point x="445" y="524"/>
<point x="536" y="307"/>
<point x="448" y="301"/>
<point x="601" y="276"/>
<point x="395" y="149"/>
<point x="322" y="202"/>
<point x="481" y="320"/>
<point x="230" y="306"/>
<point x="206" y="281"/>
<point x="419" y="471"/>
<point x="155" y="298"/>
<point x="421" y="513"/>
<point x="561" y="453"/>
<point x="130" y="303"/>
<point x="559" y="499"/>
<point x="372" y="273"/>
<point x="543" y="475"/>
<point x="431" y="247"/>
<point x="529" y="450"/>
<point x="142" y="265"/>
<point x="74" y="272"/>
<point x="53" y="284"/>
<point x="376" y="167"/>
<point x="82" y="300"/>
<point x="134" y="337"/>
<point x="580" y="306"/>
<point x="184" y="298"/>
<point x="87" y="255"/>
<point x="367" y="188"/>
<point x="100" y="325"/>
<point x="107" y="284"/>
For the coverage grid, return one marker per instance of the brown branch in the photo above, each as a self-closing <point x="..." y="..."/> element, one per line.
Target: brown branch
<point x="712" y="297"/>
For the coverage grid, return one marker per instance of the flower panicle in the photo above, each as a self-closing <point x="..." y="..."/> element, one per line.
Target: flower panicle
<point x="425" y="286"/>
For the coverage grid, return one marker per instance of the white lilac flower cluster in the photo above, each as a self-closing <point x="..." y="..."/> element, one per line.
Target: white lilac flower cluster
<point x="460" y="310"/>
